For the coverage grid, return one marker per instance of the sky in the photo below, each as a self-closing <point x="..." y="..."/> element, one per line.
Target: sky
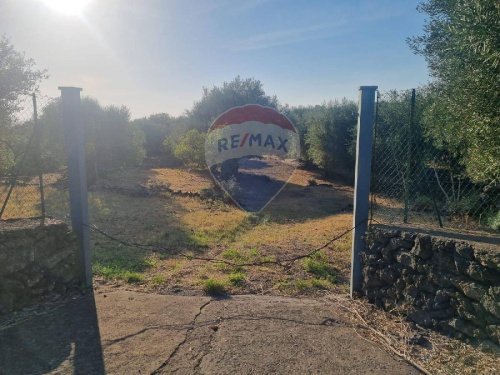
<point x="156" y="56"/>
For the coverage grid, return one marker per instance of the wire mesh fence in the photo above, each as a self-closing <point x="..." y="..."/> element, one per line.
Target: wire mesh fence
<point x="414" y="182"/>
<point x="29" y="187"/>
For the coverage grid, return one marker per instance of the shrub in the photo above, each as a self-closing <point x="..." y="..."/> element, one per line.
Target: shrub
<point x="493" y="220"/>
<point x="190" y="148"/>
<point x="237" y="278"/>
<point x="214" y="287"/>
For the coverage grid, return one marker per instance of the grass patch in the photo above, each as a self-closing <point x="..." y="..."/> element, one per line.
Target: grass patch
<point x="232" y="254"/>
<point x="317" y="264"/>
<point x="214" y="287"/>
<point x="120" y="263"/>
<point x="158" y="280"/>
<point x="321" y="284"/>
<point x="237" y="278"/>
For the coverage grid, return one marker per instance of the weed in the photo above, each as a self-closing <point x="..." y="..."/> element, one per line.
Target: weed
<point x="302" y="284"/>
<point x="312" y="182"/>
<point x="317" y="265"/>
<point x="214" y="287"/>
<point x="237" y="278"/>
<point x="232" y="254"/>
<point x="321" y="284"/>
<point x="158" y="279"/>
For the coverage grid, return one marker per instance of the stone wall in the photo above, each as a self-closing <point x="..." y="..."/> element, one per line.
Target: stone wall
<point x="439" y="283"/>
<point x="35" y="260"/>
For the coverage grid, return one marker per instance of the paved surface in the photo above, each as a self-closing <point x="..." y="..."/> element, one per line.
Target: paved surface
<point x="125" y="332"/>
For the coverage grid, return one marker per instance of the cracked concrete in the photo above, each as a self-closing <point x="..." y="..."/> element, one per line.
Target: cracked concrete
<point x="130" y="332"/>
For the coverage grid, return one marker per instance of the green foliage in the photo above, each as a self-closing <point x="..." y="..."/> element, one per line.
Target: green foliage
<point x="119" y="263"/>
<point x="18" y="77"/>
<point x="155" y="128"/>
<point x="214" y="287"/>
<point x="329" y="134"/>
<point x="493" y="220"/>
<point x="237" y="278"/>
<point x="191" y="148"/>
<point x="232" y="254"/>
<point x="461" y="46"/>
<point x="111" y="141"/>
<point x="317" y="264"/>
<point x="219" y="99"/>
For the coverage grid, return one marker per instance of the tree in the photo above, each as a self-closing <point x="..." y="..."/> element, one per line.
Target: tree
<point x="329" y="134"/>
<point x="461" y="44"/>
<point x="231" y="94"/>
<point x="111" y="141"/>
<point x="18" y="77"/>
<point x="155" y="128"/>
<point x="191" y="148"/>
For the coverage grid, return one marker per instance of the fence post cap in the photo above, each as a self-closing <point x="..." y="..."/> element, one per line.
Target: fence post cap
<point x="69" y="88"/>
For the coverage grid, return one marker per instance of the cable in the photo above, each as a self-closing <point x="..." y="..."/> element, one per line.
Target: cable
<point x="280" y="262"/>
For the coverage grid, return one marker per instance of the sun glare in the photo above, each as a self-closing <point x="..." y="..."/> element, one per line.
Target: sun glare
<point x="69" y="7"/>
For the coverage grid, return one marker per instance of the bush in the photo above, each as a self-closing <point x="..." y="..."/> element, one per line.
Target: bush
<point x="214" y="287"/>
<point x="237" y="278"/>
<point x="190" y="148"/>
<point x="493" y="220"/>
<point x="329" y="134"/>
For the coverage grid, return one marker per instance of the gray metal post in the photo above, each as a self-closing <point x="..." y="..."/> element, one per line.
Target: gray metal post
<point x="75" y="146"/>
<point x="362" y="181"/>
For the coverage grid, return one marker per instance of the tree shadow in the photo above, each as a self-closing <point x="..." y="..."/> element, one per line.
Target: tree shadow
<point x="66" y="338"/>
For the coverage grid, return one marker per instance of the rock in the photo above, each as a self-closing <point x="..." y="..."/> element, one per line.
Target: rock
<point x="464" y="250"/>
<point x="480" y="273"/>
<point x="490" y="305"/>
<point x="489" y="259"/>
<point x="488" y="346"/>
<point x="423" y="247"/>
<point x="405" y="259"/>
<point x="388" y="275"/>
<point x="461" y="265"/>
<point x="472" y="289"/>
<point x="466" y="328"/>
<point x="421" y="317"/>
<point x="494" y="332"/>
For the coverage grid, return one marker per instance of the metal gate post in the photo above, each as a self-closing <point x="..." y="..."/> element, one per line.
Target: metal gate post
<point x="77" y="175"/>
<point x="362" y="181"/>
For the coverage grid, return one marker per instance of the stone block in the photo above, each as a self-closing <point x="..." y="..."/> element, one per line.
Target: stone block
<point x="423" y="246"/>
<point x="490" y="305"/>
<point x="471" y="289"/>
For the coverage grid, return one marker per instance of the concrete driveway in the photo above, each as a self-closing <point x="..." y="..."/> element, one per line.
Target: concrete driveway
<point x="125" y="332"/>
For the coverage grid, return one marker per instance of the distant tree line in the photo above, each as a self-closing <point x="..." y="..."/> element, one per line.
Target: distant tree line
<point x="458" y="113"/>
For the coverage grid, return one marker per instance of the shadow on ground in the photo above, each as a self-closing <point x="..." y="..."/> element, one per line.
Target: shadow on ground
<point x="37" y="344"/>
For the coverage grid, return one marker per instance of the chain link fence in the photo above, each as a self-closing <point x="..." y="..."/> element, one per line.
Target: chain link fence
<point x="30" y="187"/>
<point x="414" y="182"/>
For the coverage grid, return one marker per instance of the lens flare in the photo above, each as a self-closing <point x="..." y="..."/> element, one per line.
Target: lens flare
<point x="68" y="7"/>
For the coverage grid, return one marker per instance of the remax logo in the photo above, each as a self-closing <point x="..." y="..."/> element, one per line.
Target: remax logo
<point x="251" y="152"/>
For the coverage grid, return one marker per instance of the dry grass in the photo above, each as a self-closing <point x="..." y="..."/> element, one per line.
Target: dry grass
<point x="133" y="206"/>
<point x="427" y="350"/>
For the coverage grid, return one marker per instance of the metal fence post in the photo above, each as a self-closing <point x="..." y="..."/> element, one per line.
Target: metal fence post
<point x="75" y="146"/>
<point x="362" y="181"/>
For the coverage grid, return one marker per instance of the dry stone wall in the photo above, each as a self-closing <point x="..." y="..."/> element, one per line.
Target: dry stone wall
<point x="439" y="283"/>
<point x="35" y="260"/>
